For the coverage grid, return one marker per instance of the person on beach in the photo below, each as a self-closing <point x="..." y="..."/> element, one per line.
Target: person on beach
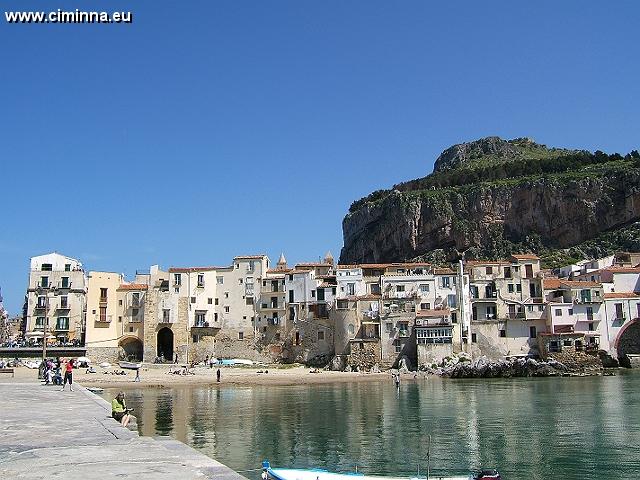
<point x="218" y="373"/>
<point x="175" y="360"/>
<point x="137" y="379"/>
<point x="68" y="375"/>
<point x="119" y="410"/>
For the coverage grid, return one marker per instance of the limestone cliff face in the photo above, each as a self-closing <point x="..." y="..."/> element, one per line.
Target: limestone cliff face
<point x="492" y="218"/>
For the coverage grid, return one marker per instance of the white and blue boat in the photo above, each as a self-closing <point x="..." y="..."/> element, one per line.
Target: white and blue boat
<point x="319" y="474"/>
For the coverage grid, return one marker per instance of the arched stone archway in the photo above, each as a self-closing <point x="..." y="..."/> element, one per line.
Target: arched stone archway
<point x="628" y="339"/>
<point x="165" y="343"/>
<point x="131" y="348"/>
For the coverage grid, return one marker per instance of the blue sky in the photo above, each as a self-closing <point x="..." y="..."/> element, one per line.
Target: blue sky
<point x="208" y="129"/>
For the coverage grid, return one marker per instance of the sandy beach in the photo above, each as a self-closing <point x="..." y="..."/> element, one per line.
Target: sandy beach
<point x="159" y="376"/>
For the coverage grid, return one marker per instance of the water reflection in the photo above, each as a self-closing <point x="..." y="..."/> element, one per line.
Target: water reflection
<point x="528" y="428"/>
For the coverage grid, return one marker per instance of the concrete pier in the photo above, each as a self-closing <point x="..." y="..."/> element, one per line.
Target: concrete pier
<point x="49" y="434"/>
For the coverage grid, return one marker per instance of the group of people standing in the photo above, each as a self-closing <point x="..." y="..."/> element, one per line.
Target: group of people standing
<point x="58" y="372"/>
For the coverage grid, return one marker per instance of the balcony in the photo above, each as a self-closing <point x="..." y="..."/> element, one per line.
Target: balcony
<point x="63" y="307"/>
<point x="272" y="306"/>
<point x="204" y="328"/>
<point x="103" y="301"/>
<point x="248" y="290"/>
<point x="62" y="327"/>
<point x="516" y="315"/>
<point x="433" y="322"/>
<point x="103" y="318"/>
<point x="404" y="334"/>
<point x="64" y="285"/>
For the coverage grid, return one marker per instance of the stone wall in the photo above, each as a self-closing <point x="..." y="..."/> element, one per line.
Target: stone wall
<point x="103" y="354"/>
<point x="431" y="353"/>
<point x="364" y="356"/>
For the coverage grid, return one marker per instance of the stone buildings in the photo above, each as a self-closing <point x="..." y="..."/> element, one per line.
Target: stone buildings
<point x="55" y="300"/>
<point x="367" y="314"/>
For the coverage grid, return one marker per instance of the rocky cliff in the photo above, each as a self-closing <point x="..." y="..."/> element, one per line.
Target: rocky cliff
<point x="493" y="197"/>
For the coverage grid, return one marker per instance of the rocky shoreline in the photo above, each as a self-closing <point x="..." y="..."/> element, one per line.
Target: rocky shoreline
<point x="463" y="367"/>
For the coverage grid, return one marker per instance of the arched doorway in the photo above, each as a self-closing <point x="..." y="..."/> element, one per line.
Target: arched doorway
<point x="131" y="348"/>
<point x="628" y="340"/>
<point x="165" y="343"/>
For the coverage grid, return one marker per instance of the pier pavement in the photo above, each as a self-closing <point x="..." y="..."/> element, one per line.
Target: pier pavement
<point x="49" y="434"/>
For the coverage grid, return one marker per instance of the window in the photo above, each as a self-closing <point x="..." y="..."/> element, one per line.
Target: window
<point x="276" y="336"/>
<point x="62" y="323"/>
<point x="454" y="317"/>
<point x="209" y="301"/>
<point x="67" y="267"/>
<point x="540" y="308"/>
<point x="320" y="335"/>
<point x="445" y="282"/>
<point x="217" y="302"/>
<point x="220" y="280"/>
<point x="42" y="302"/>
<point x="585" y="296"/>
<point x="530" y="308"/>
<point x="200" y="318"/>
<point x="507" y="272"/>
<point x="44" y="282"/>
<point x="226" y="294"/>
<point x="558" y="312"/>
<point x="424" y="288"/>
<point x="215" y="317"/>
<point x="193" y="299"/>
<point x="518" y="288"/>
<point x="532" y="332"/>
<point x="226" y="309"/>
<point x="239" y="281"/>
<point x="351" y="288"/>
<point x="165" y="315"/>
<point x="177" y="279"/>
<point x="64" y="282"/>
<point x="240" y="335"/>
<point x="398" y="346"/>
<point x="388" y="327"/>
<point x="201" y="280"/>
<point x="291" y="296"/>
<point x="47" y="267"/>
<point x="589" y="314"/>
<point x="119" y="318"/>
<point x="452" y="300"/>
<point x="103" y="294"/>
<point x="399" y="288"/>
<point x="510" y="287"/>
<point x="130" y="329"/>
<point x="39" y="323"/>
<point x="64" y="302"/>
<point x="134" y="312"/>
<point x="313" y="294"/>
<point x="571" y="311"/>
<point x="474" y="291"/>
<point x="591" y="329"/>
<point x="120" y="302"/>
<point x="503" y="333"/>
<point x="321" y="294"/>
<point x="425" y="306"/>
<point x="567" y="343"/>
<point x="103" y="314"/>
<point x="491" y="312"/>
<point x="488" y="271"/>
<point x="474" y="337"/>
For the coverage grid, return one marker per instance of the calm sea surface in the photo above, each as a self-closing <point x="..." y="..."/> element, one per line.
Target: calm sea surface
<point x="550" y="428"/>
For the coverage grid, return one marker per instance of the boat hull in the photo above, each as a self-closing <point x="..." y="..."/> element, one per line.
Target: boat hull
<point x="316" y="474"/>
<point x="130" y="365"/>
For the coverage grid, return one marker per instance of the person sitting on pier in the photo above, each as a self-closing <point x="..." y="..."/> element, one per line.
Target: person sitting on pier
<point x="119" y="410"/>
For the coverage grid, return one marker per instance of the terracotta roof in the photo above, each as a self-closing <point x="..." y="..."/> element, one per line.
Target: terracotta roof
<point x="579" y="283"/>
<point x="133" y="286"/>
<point x="313" y="264"/>
<point x="282" y="271"/>
<point x="369" y="296"/>
<point x="488" y="263"/>
<point x="298" y="271"/>
<point x="552" y="283"/>
<point x="347" y="267"/>
<point x="326" y="285"/>
<point x="525" y="256"/>
<point x="249" y="257"/>
<point x="193" y="269"/>
<point x="623" y="269"/>
<point x="375" y="266"/>
<point x="432" y="313"/>
<point x="622" y="295"/>
<point x="444" y="271"/>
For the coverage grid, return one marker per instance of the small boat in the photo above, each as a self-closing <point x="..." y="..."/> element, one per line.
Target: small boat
<point x="318" y="474"/>
<point x="130" y="365"/>
<point x="95" y="389"/>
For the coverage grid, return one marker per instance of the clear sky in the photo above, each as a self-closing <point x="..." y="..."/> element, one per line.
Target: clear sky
<point x="208" y="129"/>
